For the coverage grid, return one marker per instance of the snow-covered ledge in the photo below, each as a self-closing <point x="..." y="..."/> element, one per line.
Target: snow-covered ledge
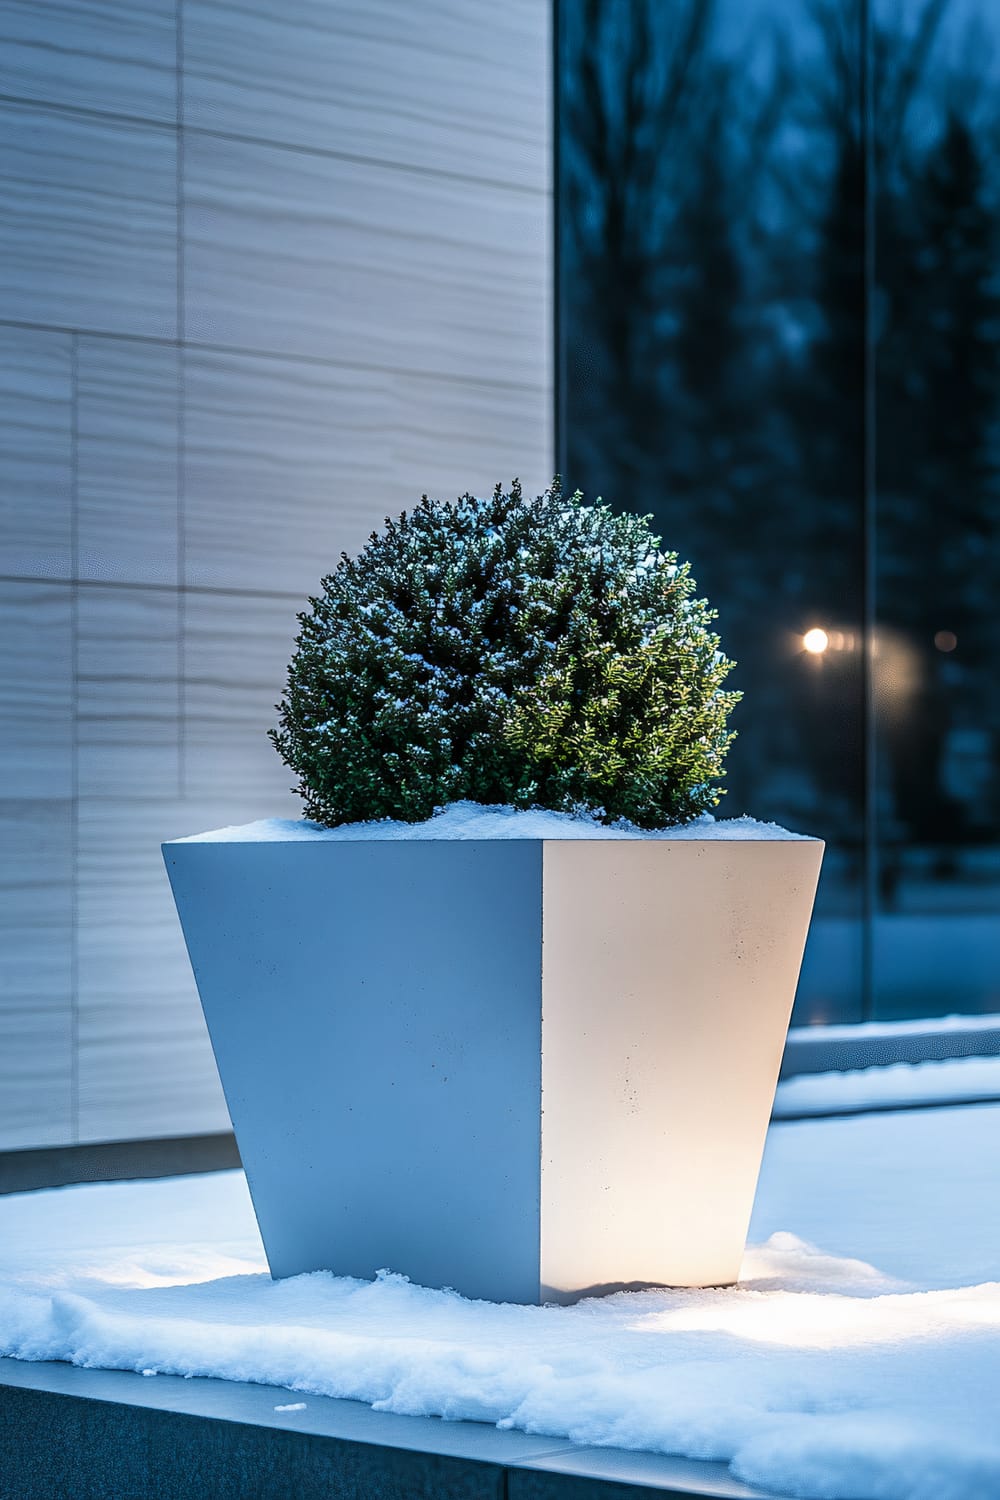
<point x="867" y="1045"/>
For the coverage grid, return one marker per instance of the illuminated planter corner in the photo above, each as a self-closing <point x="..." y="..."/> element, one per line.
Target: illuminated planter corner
<point x="526" y="1069"/>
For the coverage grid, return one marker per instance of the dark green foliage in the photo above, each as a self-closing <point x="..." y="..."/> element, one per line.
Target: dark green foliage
<point x="538" y="653"/>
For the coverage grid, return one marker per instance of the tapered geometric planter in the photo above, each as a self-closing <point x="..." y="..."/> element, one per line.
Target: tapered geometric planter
<point x="527" y="1069"/>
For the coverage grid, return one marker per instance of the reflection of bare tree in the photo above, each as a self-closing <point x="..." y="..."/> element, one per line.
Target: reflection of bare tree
<point x="938" y="383"/>
<point x="628" y="103"/>
<point x="660" y="147"/>
<point x="901" y="69"/>
<point x="665" y="142"/>
<point x="937" y="327"/>
<point x="715" y="234"/>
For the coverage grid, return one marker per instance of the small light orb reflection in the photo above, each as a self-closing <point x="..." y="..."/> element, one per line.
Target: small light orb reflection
<point x="816" y="640"/>
<point x="946" y="640"/>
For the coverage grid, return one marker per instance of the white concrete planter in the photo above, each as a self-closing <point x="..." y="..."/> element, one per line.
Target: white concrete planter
<point x="527" y="1068"/>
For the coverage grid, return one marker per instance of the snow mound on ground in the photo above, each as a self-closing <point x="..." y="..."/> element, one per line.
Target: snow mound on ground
<point x="818" y="1376"/>
<point x="470" y="820"/>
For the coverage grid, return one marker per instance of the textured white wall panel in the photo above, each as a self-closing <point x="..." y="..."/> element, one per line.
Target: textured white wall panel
<point x="87" y="222"/>
<point x="457" y="86"/>
<point x="369" y="265"/>
<point x="36" y="453"/>
<point x="127" y="467"/>
<point x="36" y="972"/>
<point x="112" y="55"/>
<point x="128" y="728"/>
<point x="231" y="342"/>
<point x="36" y="690"/>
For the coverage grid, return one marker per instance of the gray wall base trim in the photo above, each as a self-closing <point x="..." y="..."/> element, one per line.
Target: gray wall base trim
<point x="106" y="1434"/>
<point x="114" y="1161"/>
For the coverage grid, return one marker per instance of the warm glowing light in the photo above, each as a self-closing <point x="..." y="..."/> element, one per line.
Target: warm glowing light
<point x="860" y="1314"/>
<point x="816" y="640"/>
<point x="946" y="640"/>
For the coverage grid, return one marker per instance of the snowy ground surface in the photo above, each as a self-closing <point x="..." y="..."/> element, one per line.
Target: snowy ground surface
<point x="470" y="820"/>
<point x="859" y="1357"/>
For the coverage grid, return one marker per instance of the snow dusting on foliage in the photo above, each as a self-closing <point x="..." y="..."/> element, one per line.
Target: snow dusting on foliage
<point x="537" y="653"/>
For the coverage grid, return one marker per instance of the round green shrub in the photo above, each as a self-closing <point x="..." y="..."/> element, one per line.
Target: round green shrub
<point x="537" y="653"/>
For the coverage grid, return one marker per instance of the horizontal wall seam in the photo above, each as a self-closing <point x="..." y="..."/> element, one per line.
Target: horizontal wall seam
<point x="248" y="352"/>
<point x="34" y="580"/>
<point x="101" y="116"/>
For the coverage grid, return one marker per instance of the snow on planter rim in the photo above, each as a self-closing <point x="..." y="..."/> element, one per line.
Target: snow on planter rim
<point x="471" y="820"/>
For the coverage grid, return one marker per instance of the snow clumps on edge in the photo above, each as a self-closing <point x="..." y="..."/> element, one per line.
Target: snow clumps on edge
<point x="470" y="820"/>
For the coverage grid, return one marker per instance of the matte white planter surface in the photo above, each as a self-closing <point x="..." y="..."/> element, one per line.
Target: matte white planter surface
<point x="525" y="1068"/>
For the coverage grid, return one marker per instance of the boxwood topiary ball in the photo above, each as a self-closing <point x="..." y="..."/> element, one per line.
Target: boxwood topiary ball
<point x="536" y="653"/>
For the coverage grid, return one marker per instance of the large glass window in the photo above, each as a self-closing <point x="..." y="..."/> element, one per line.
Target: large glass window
<point x="779" y="322"/>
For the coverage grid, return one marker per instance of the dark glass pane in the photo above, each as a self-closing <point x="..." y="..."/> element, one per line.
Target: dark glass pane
<point x="936" y="78"/>
<point x="712" y="233"/>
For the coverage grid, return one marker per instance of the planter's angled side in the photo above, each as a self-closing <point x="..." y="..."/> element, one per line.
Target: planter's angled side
<point x="524" y="1068"/>
<point x="670" y="970"/>
<point x="375" y="1011"/>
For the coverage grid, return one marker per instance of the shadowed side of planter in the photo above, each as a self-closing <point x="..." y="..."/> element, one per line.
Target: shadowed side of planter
<point x="669" y="975"/>
<point x="375" y="1011"/>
